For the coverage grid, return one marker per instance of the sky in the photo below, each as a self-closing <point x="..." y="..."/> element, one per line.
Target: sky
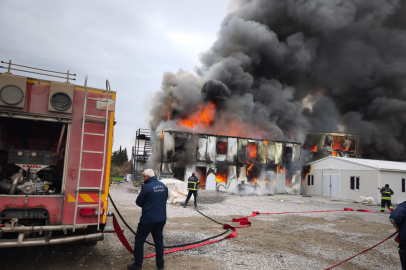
<point x="130" y="43"/>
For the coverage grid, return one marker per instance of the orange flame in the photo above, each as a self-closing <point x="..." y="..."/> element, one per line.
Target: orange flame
<point x="277" y="169"/>
<point x="252" y="155"/>
<point x="314" y="148"/>
<point x="337" y="146"/>
<point x="161" y="134"/>
<point x="250" y="167"/>
<point x="266" y="142"/>
<point x="203" y="116"/>
<point x="222" y="178"/>
<point x="252" y="150"/>
<point x="334" y="153"/>
<point x="169" y="116"/>
<point x="274" y="182"/>
<point x="283" y="170"/>
<point x="338" y="143"/>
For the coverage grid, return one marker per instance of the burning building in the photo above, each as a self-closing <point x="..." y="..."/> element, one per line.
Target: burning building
<point x="309" y="72"/>
<point x="320" y="145"/>
<point x="232" y="163"/>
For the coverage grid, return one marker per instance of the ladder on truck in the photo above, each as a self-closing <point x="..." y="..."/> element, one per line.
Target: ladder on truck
<point x="104" y="121"/>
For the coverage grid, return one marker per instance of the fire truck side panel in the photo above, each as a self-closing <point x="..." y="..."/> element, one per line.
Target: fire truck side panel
<point x="53" y="204"/>
<point x="41" y="129"/>
<point x="36" y="100"/>
<point x="89" y="160"/>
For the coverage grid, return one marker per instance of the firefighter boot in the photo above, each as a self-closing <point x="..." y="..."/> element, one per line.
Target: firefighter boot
<point x="133" y="267"/>
<point x="195" y="204"/>
<point x="184" y="205"/>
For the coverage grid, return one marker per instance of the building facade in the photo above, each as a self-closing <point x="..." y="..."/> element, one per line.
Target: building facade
<point x="231" y="163"/>
<point x="349" y="178"/>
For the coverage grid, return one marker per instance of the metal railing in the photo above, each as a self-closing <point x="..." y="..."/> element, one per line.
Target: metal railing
<point x="9" y="68"/>
<point x="140" y="152"/>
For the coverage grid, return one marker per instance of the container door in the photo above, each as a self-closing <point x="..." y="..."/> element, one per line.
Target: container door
<point x="280" y="183"/>
<point x="211" y="178"/>
<point x="335" y="186"/>
<point x="326" y="186"/>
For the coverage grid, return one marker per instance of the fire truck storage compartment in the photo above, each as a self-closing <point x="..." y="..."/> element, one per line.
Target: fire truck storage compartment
<point x="31" y="156"/>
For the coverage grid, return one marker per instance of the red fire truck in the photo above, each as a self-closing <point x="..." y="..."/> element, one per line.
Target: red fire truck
<point x="55" y="152"/>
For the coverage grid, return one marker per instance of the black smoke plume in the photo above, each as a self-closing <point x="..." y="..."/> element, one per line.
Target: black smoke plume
<point x="295" y="66"/>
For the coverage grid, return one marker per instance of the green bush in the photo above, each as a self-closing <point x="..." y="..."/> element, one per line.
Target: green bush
<point x="116" y="179"/>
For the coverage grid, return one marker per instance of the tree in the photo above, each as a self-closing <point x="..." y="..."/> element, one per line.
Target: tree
<point x="124" y="155"/>
<point x="119" y="157"/>
<point x="125" y="168"/>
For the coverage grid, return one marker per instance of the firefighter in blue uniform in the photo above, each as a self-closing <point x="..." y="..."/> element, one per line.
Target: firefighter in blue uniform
<point x="386" y="198"/>
<point x="398" y="217"/>
<point x="152" y="199"/>
<point x="192" y="185"/>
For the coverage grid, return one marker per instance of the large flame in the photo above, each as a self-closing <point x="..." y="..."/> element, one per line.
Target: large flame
<point x="249" y="168"/>
<point x="221" y="177"/>
<point x="252" y="155"/>
<point x="338" y="143"/>
<point x="203" y="116"/>
<point x="314" y="148"/>
<point x="252" y="151"/>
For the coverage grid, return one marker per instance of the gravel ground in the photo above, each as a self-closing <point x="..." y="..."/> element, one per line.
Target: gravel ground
<point x="290" y="241"/>
<point x="352" y="232"/>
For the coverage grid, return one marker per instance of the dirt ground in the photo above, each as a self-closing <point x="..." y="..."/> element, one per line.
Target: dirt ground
<point x="269" y="236"/>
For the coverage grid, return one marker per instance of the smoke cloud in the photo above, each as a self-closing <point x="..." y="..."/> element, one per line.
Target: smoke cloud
<point x="346" y="58"/>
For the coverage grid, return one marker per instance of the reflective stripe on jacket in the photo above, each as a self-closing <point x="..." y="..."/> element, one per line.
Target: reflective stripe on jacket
<point x="192" y="183"/>
<point x="386" y="193"/>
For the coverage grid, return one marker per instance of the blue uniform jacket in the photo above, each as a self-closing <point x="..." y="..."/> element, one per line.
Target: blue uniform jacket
<point x="398" y="217"/>
<point x="152" y="200"/>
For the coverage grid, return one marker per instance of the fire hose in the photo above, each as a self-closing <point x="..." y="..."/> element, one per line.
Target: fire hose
<point x="243" y="223"/>
<point x="125" y="242"/>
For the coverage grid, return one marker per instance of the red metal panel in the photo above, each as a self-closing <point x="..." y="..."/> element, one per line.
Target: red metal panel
<point x="37" y="102"/>
<point x="39" y="99"/>
<point x="37" y="95"/>
<point x="52" y="204"/>
<point x="89" y="160"/>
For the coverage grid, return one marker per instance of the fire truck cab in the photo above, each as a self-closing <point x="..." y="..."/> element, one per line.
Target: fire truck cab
<point x="55" y="153"/>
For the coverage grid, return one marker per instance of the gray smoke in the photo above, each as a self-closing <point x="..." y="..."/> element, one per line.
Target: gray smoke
<point x="215" y="90"/>
<point x="296" y="66"/>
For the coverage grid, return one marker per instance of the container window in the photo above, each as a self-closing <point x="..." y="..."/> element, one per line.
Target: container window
<point x="354" y="182"/>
